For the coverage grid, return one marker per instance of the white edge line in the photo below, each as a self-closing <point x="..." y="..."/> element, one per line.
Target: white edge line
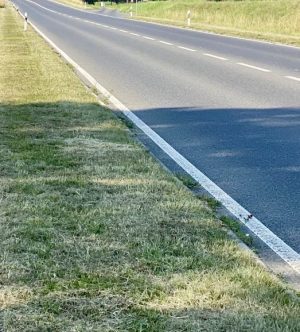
<point x="254" y="67"/>
<point x="215" y="56"/>
<point x="293" y="78"/>
<point x="284" y="251"/>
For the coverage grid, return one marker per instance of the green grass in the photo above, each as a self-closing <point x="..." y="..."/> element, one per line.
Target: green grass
<point x="274" y="20"/>
<point x="95" y="235"/>
<point x="188" y="181"/>
<point x="235" y="226"/>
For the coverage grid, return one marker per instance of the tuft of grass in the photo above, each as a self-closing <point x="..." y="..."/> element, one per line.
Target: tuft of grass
<point x="274" y="20"/>
<point x="235" y="226"/>
<point x="94" y="234"/>
<point x="2" y="3"/>
<point x="211" y="202"/>
<point x="129" y="124"/>
<point x="187" y="180"/>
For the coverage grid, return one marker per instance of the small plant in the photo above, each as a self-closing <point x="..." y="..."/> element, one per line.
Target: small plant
<point x="127" y="122"/>
<point x="211" y="202"/>
<point x="105" y="101"/>
<point x="69" y="65"/>
<point x="94" y="90"/>
<point x="235" y="226"/>
<point x="188" y="181"/>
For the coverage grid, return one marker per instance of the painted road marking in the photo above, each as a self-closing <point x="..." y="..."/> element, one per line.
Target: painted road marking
<point x="186" y="48"/>
<point x="123" y="30"/>
<point x="166" y="43"/>
<point x="215" y="56"/>
<point x="149" y="38"/>
<point x="254" y="67"/>
<point x="134" y="34"/>
<point x="284" y="251"/>
<point x="293" y="78"/>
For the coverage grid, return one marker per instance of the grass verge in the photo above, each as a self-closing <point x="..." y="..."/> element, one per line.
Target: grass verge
<point x="273" y="20"/>
<point x="95" y="235"/>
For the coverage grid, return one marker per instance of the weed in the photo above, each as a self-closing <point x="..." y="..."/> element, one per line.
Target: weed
<point x="187" y="180"/>
<point x="211" y="202"/>
<point x="129" y="124"/>
<point x="235" y="226"/>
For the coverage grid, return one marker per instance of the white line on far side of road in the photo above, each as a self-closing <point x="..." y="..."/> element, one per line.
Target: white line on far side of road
<point x="293" y="78"/>
<point x="186" y="48"/>
<point x="254" y="67"/>
<point x="149" y="38"/>
<point x="166" y="43"/>
<point x="284" y="251"/>
<point x="215" y="56"/>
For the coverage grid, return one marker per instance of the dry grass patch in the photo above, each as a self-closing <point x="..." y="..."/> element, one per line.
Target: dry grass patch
<point x="94" y="234"/>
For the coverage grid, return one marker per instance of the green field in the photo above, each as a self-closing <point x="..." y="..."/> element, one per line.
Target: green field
<point x="275" y="20"/>
<point x="94" y="234"/>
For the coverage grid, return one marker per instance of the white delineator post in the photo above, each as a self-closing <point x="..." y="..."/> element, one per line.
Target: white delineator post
<point x="25" y="21"/>
<point x="188" y="16"/>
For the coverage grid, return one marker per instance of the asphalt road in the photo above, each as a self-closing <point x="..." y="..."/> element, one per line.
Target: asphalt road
<point x="230" y="106"/>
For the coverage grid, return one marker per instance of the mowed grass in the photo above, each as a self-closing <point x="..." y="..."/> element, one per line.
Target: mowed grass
<point x="275" y="20"/>
<point x="94" y="234"/>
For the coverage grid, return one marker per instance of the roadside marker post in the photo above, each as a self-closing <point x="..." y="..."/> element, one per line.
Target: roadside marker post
<point x="25" y="21"/>
<point x="131" y="14"/>
<point x="188" y="16"/>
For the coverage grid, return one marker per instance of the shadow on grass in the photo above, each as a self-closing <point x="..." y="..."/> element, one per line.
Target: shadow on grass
<point x="105" y="240"/>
